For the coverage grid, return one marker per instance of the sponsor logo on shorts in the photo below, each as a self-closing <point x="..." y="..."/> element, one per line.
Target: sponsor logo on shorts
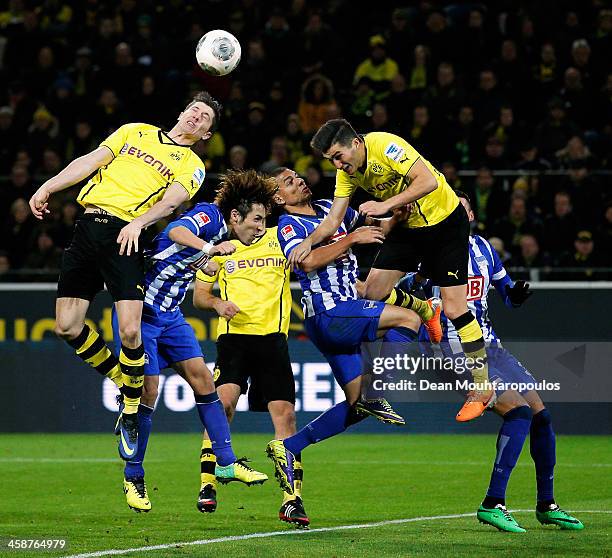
<point x="394" y="151"/>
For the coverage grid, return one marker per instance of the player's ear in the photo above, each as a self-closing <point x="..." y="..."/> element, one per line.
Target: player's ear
<point x="235" y="216"/>
<point x="206" y="135"/>
<point x="278" y="200"/>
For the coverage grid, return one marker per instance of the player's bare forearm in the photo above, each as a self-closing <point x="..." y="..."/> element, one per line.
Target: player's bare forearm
<point x="420" y="186"/>
<point x="324" y="255"/>
<point x="332" y="221"/>
<point x="175" y="195"/>
<point x="78" y="170"/>
<point x="203" y="299"/>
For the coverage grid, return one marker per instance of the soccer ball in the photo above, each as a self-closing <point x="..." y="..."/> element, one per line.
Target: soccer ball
<point x="218" y="52"/>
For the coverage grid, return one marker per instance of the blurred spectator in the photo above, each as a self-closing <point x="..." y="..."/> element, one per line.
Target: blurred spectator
<point x="464" y="138"/>
<point x="498" y="246"/>
<point x="513" y="77"/>
<point x="419" y="74"/>
<point x="378" y="67"/>
<point x="445" y="96"/>
<point x="605" y="230"/>
<point x="51" y="164"/>
<point x="577" y="99"/>
<point x="379" y="122"/>
<point x="255" y="70"/>
<point x="583" y="256"/>
<point x="279" y="156"/>
<point x="554" y="132"/>
<point x="45" y="255"/>
<point x="82" y="141"/>
<point x="439" y="37"/>
<point x="257" y="134"/>
<point x="423" y="135"/>
<point x="529" y="254"/>
<point x="64" y="229"/>
<point x="19" y="186"/>
<point x="397" y="100"/>
<point x="278" y="106"/>
<point x="109" y="114"/>
<point x="317" y="97"/>
<point x="489" y="202"/>
<point x="84" y="74"/>
<point x="363" y="99"/>
<point x="507" y="131"/>
<point x="295" y="137"/>
<point x="318" y="42"/>
<point x="494" y="156"/>
<point x="399" y="36"/>
<point x="237" y="158"/>
<point x="560" y="226"/>
<point x="575" y="155"/>
<point x="487" y="98"/>
<point x="581" y="60"/>
<point x="516" y="224"/>
<point x="150" y="106"/>
<point x="529" y="159"/>
<point x="17" y="234"/>
<point x="42" y="133"/>
<point x="449" y="170"/>
<point x="545" y="75"/>
<point x="475" y="42"/>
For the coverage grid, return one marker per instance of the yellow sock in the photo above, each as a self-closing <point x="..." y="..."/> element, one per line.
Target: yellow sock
<point x="472" y="343"/>
<point x="207" y="464"/>
<point x="90" y="347"/>
<point x="397" y="297"/>
<point x="132" y="376"/>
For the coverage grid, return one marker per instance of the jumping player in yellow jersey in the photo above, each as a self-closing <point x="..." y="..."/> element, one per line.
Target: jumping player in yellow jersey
<point x="254" y="307"/>
<point x="140" y="175"/>
<point x="436" y="234"/>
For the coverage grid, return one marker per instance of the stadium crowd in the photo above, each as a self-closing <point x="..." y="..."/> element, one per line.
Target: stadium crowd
<point x="524" y="87"/>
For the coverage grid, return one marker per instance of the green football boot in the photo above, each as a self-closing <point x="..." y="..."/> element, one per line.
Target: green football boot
<point x="499" y="517"/>
<point x="556" y="516"/>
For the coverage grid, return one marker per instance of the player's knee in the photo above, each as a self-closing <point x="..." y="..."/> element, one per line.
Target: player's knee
<point x="375" y="291"/>
<point x="130" y="335"/>
<point x="66" y="330"/>
<point x="410" y="320"/>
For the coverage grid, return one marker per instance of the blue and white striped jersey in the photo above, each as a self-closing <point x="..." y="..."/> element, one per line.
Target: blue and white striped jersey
<point x="321" y="288"/>
<point x="173" y="266"/>
<point x="484" y="269"/>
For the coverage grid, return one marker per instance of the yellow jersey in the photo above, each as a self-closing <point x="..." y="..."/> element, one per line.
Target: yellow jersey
<point x="146" y="162"/>
<point x="389" y="158"/>
<point x="256" y="279"/>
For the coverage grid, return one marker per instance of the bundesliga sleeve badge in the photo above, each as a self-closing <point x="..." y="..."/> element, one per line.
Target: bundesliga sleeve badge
<point x="288" y="232"/>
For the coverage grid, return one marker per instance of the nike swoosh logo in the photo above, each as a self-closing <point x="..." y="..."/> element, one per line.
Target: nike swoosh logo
<point x="227" y="441"/>
<point x="566" y="520"/>
<point x="126" y="449"/>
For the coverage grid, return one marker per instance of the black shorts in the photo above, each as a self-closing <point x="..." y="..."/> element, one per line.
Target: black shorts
<point x="93" y="259"/>
<point x="264" y="359"/>
<point x="442" y="250"/>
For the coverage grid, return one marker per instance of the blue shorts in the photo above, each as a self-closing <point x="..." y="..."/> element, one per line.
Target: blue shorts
<point x="339" y="332"/>
<point x="167" y="338"/>
<point x="504" y="368"/>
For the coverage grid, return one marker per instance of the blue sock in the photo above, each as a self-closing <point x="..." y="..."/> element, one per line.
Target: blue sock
<point x="400" y="335"/>
<point x="134" y="468"/>
<point x="542" y="446"/>
<point x="510" y="442"/>
<point x="333" y="421"/>
<point x="215" y="422"/>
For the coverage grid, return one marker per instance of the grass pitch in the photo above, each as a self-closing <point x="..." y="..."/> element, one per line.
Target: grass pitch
<point x="69" y="486"/>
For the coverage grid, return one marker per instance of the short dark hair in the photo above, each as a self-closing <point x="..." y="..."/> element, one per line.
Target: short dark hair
<point x="333" y="131"/>
<point x="206" y="98"/>
<point x="279" y="170"/>
<point x="239" y="190"/>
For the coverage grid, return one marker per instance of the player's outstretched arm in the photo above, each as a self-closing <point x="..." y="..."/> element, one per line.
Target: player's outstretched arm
<point x="327" y="228"/>
<point x="327" y="254"/>
<point x="182" y="235"/>
<point x="421" y="182"/>
<point x="77" y="170"/>
<point x="203" y="299"/>
<point x="128" y="236"/>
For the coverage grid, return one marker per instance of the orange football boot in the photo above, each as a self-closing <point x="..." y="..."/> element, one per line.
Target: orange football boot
<point x="433" y="325"/>
<point x="476" y="403"/>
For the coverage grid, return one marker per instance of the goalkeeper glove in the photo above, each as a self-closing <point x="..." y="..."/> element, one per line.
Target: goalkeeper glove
<point x="518" y="293"/>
